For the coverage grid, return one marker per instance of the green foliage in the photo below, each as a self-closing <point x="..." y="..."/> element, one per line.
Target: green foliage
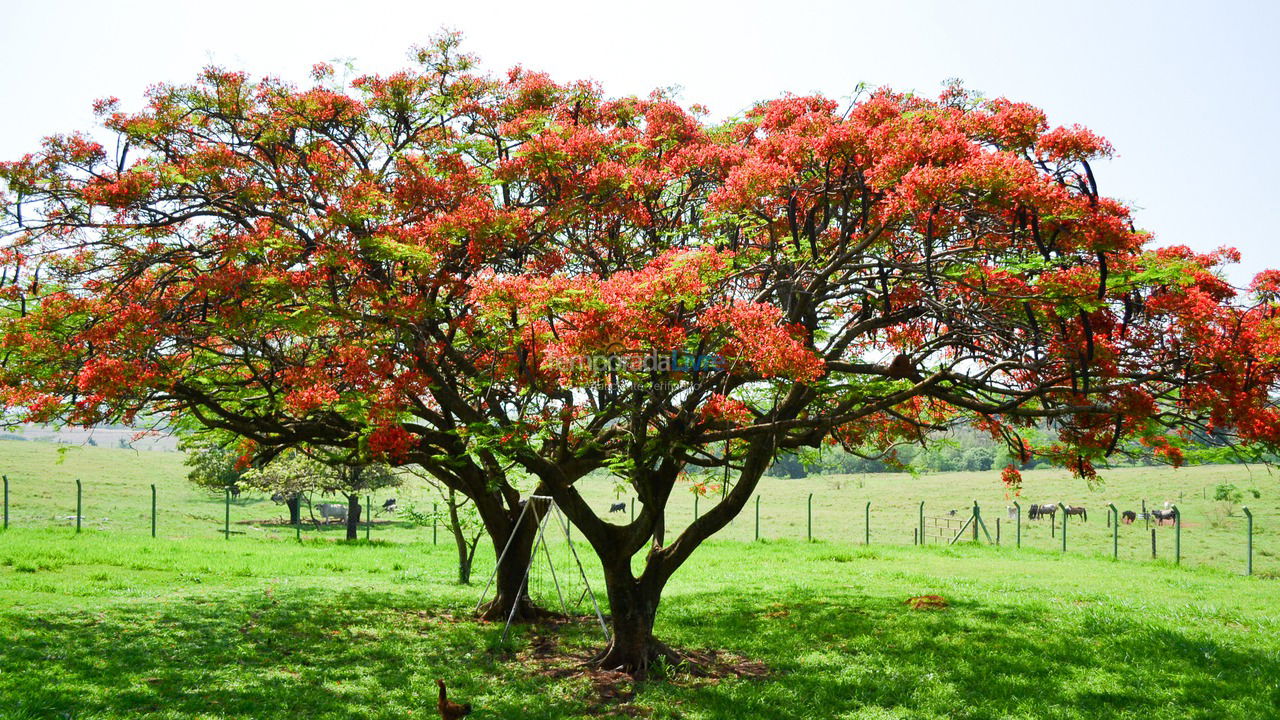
<point x="294" y="471"/>
<point x="212" y="465"/>
<point x="1227" y="492"/>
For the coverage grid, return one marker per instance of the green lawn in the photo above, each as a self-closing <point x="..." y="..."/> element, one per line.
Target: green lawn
<point x="113" y="625"/>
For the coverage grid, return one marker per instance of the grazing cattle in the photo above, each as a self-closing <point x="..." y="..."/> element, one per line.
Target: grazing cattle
<point x="1161" y="515"/>
<point x="1128" y="516"/>
<point x="235" y="491"/>
<point x="952" y="513"/>
<point x="1077" y="510"/>
<point x="280" y="498"/>
<point x="1013" y="513"/>
<point x="1039" y="511"/>
<point x="389" y="506"/>
<point x="331" y="511"/>
<point x="618" y="507"/>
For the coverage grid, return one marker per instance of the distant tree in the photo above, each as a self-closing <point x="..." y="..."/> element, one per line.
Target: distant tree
<point x="978" y="459"/>
<point x="459" y="516"/>
<point x="296" y="471"/>
<point x="213" y="465"/>
<point x="1229" y="495"/>
<point x="788" y="465"/>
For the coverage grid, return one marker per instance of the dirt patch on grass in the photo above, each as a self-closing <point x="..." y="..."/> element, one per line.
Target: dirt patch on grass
<point x="612" y="692"/>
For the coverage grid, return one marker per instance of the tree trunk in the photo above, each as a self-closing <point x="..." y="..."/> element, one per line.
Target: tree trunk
<point x="353" y="516"/>
<point x="633" y="605"/>
<point x="512" y="588"/>
<point x="295" y="509"/>
<point x="459" y="540"/>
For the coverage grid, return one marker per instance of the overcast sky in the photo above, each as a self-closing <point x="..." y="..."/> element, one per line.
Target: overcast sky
<point x="1187" y="94"/>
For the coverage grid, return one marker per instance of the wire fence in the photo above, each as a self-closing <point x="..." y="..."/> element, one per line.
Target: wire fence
<point x="1154" y="532"/>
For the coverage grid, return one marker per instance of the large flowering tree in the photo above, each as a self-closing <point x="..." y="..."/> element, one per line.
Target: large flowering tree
<point x="507" y="276"/>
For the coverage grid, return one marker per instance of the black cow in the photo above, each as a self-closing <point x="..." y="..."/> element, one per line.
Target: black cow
<point x="1128" y="516"/>
<point x="389" y="506"/>
<point x="1161" y="515"/>
<point x="618" y="507"/>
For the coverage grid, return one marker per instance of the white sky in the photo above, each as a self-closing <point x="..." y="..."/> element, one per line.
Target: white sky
<point x="1188" y="95"/>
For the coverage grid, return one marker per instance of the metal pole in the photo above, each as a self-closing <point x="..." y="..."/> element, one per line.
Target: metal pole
<point x="1146" y="517"/>
<point x="757" y="517"/>
<point x="1249" y="547"/>
<point x="633" y="509"/>
<point x="226" y="521"/>
<point x="542" y="526"/>
<point x="6" y="502"/>
<point x="997" y="531"/>
<point x="975" y="521"/>
<point x="1019" y="507"/>
<point x="1153" y="543"/>
<point x="810" y="515"/>
<point x="435" y="508"/>
<point x="1115" y="530"/>
<point x="78" y="504"/>
<point x="368" y="511"/>
<point x="921" y="522"/>
<point x="1177" y="536"/>
<point x="153" y="510"/>
<point x="1064" y="526"/>
<point x="502" y="556"/>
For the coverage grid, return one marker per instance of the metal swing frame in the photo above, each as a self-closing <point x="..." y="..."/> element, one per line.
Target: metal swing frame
<point x="563" y="523"/>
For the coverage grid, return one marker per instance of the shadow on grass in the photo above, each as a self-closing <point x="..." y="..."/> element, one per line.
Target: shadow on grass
<point x="281" y="654"/>
<point x="859" y="656"/>
<point x="355" y="654"/>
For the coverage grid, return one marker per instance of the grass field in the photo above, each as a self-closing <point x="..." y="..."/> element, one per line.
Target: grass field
<point x="108" y="626"/>
<point x="111" y="623"/>
<point x="116" y="499"/>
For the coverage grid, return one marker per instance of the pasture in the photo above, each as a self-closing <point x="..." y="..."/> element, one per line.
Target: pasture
<point x="111" y="623"/>
<point x="116" y="499"/>
<point x="106" y="626"/>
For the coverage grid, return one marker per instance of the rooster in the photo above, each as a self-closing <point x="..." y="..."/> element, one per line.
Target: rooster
<point x="450" y="710"/>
